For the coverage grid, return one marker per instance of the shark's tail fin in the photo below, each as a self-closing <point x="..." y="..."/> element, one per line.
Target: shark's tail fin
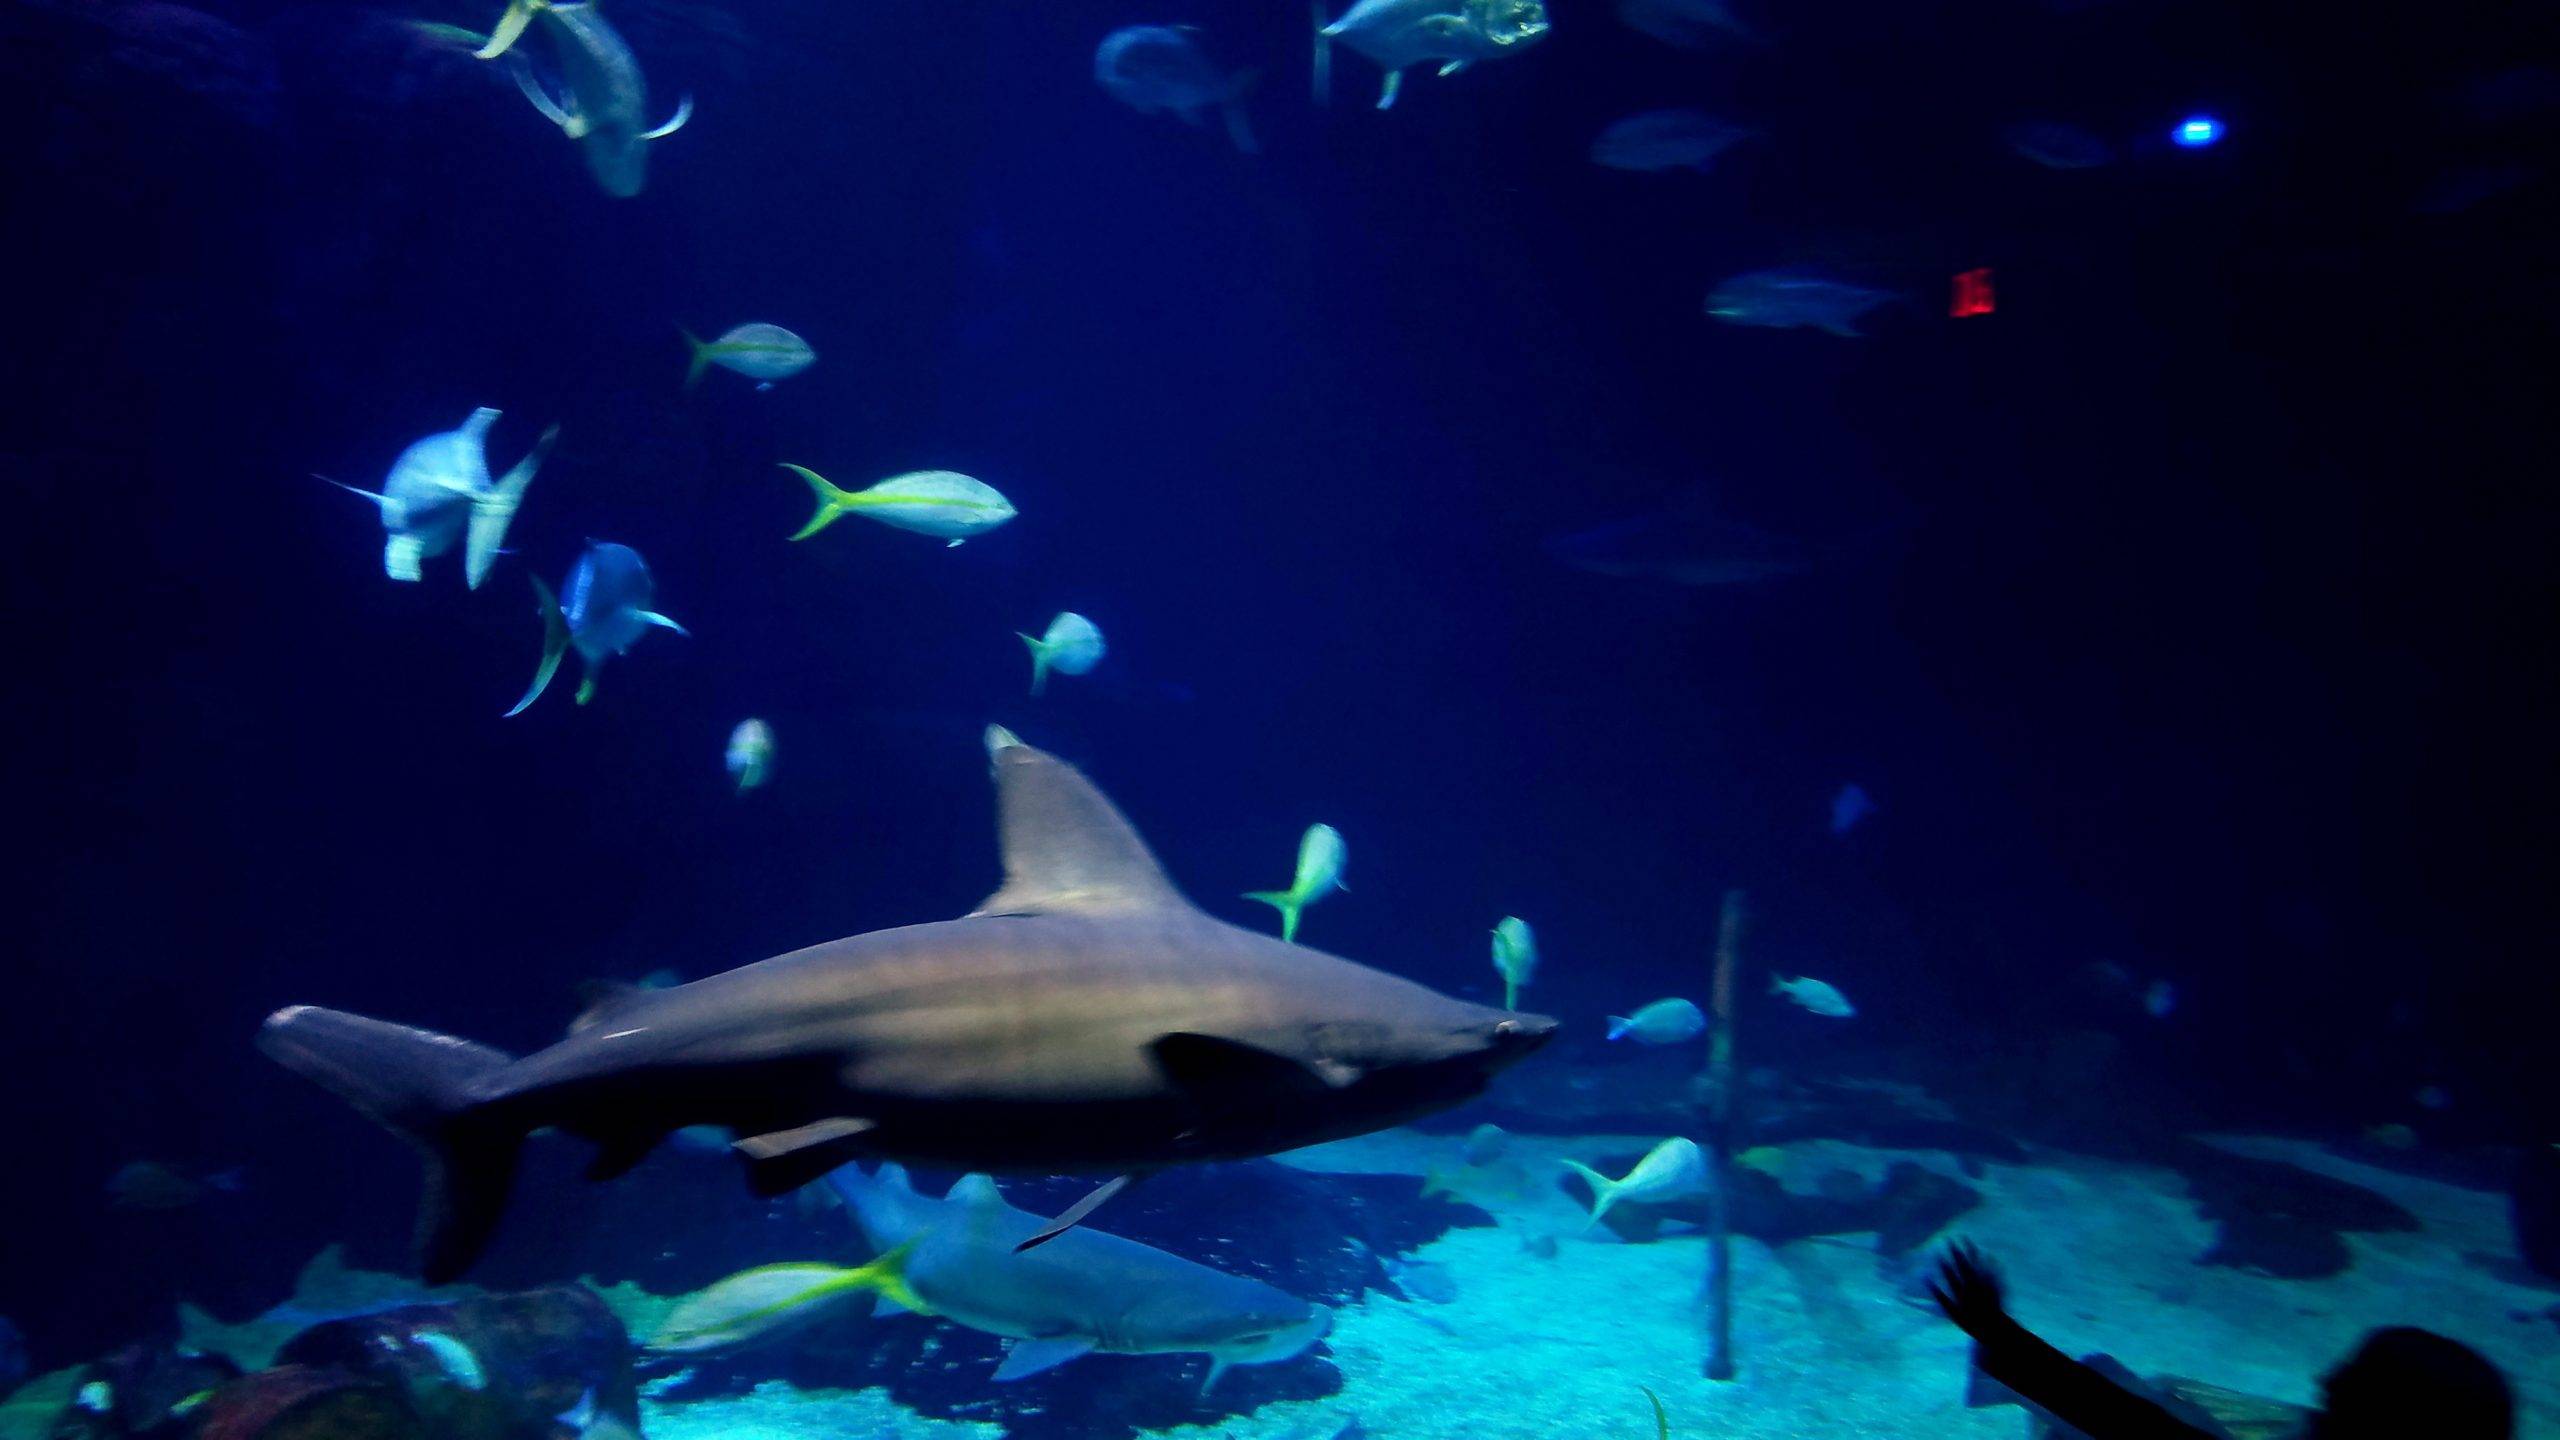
<point x="419" y="1085"/>
<point x="493" y="509"/>
<point x="1289" y="906"/>
<point x="832" y="500"/>
<point x="1604" y="1191"/>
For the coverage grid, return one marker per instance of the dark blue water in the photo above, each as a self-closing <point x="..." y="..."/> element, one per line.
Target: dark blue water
<point x="2188" y="614"/>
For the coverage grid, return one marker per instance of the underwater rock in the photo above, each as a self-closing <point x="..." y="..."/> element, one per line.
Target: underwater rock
<point x="303" y="1402"/>
<point x="138" y="1390"/>
<point x="2278" y="1219"/>
<point x="2533" y="1203"/>
<point x="492" y="1367"/>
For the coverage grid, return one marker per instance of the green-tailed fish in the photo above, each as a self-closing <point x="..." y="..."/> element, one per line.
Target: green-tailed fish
<point x="769" y="1300"/>
<point x="1072" y="645"/>
<point x="603" y="611"/>
<point x="762" y="353"/>
<point x="1664" y="1022"/>
<point x="750" y="753"/>
<point x="602" y="95"/>
<point x="1515" y="955"/>
<point x="942" y="503"/>
<point x="1671" y="1170"/>
<point x="1320" y="856"/>
<point x="439" y="491"/>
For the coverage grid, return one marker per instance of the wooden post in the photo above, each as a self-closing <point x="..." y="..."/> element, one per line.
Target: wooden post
<point x="1717" y="1290"/>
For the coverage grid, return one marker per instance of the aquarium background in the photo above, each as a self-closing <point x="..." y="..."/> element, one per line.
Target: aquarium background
<point x="2190" y="614"/>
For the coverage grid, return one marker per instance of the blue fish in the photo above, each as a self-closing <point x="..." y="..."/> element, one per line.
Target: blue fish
<point x="603" y="613"/>
<point x="1850" y="806"/>
<point x="1794" y="299"/>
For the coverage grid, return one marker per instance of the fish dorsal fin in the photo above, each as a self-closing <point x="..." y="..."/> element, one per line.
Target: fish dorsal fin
<point x="604" y="1000"/>
<point x="1067" y="849"/>
<point x="975" y="1191"/>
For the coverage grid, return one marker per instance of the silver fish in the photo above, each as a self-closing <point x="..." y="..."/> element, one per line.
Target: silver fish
<point x="602" y="96"/>
<point x="1398" y="34"/>
<point x="1162" y="67"/>
<point x="602" y="611"/>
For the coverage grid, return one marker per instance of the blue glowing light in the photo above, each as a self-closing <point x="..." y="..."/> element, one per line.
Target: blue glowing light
<point x="2197" y="131"/>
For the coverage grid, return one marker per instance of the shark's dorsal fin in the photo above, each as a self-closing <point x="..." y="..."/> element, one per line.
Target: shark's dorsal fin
<point x="604" y="1000"/>
<point x="975" y="1191"/>
<point x="1067" y="849"/>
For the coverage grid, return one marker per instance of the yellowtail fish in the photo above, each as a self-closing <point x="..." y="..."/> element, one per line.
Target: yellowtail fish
<point x="1320" y="857"/>
<point x="762" y="353"/>
<point x="1819" y="996"/>
<point x="750" y="753"/>
<point x="1664" y="1022"/>
<point x="771" y="1300"/>
<point x="942" y="503"/>
<point x="1670" y="1171"/>
<point x="1515" y="958"/>
<point x="1072" y="645"/>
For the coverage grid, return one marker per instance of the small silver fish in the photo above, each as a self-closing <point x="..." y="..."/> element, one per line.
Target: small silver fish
<point x="1818" y="996"/>
<point x="1792" y="299"/>
<point x="1665" y="140"/>
<point x="602" y="93"/>
<point x="1674" y="1169"/>
<point x="439" y="491"/>
<point x="750" y="753"/>
<point x="1397" y="34"/>
<point x="762" y="353"/>
<point x="1072" y="645"/>
<point x="602" y="611"/>
<point x="1152" y="68"/>
<point x="1664" y="1022"/>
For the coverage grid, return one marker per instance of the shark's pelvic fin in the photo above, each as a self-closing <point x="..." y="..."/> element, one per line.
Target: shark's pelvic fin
<point x="1067" y="848"/>
<point x="1030" y="1357"/>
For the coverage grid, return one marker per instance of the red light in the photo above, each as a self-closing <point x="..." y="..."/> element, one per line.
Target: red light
<point x="1972" y="294"/>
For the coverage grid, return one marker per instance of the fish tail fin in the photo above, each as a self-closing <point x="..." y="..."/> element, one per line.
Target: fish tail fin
<point x="886" y="1277"/>
<point x="1604" y="1191"/>
<point x="701" y="357"/>
<point x="555" y="643"/>
<point x="510" y="28"/>
<point x="422" y="1087"/>
<point x="1039" y="661"/>
<point x="1287" y="903"/>
<point x="832" y="500"/>
<point x="1510" y="993"/>
<point x="1323" y="78"/>
<point x="1777" y="983"/>
<point x="495" y="508"/>
<point x="587" y="686"/>
<point x="1619" y="1025"/>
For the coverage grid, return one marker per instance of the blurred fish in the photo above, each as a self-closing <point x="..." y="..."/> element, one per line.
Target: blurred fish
<point x="2391" y="1136"/>
<point x="440" y="491"/>
<point x="1162" y="67"/>
<point x="1665" y="140"/>
<point x="604" y="612"/>
<point x="1396" y="34"/>
<point x="1850" y="806"/>
<point x="1515" y="957"/>
<point x="770" y="1300"/>
<point x="1320" y="857"/>
<point x="1789" y="299"/>
<point x="1818" y="996"/>
<point x="1672" y="1170"/>
<point x="1424" y="1280"/>
<point x="762" y="353"/>
<point x="1664" y="1022"/>
<point x="750" y="753"/>
<point x="587" y="1420"/>
<point x="1081" y="1293"/>
<point x="1072" y="645"/>
<point x="1685" y="542"/>
<point x="603" y="96"/>
<point x="1484" y="1144"/>
<point x="1692" y="24"/>
<point x="2160" y="999"/>
<point x="2057" y="146"/>
<point x="151" y="1185"/>
<point x="942" y="503"/>
<point x="454" y="1358"/>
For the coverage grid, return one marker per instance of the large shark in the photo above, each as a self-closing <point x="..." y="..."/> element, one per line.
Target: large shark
<point x="603" y="99"/>
<point x="1086" y="1018"/>
<point x="1088" y="1292"/>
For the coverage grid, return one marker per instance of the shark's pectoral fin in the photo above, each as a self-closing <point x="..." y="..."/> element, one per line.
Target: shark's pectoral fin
<point x="1224" y="1073"/>
<point x="1030" y="1357"/>
<point x="784" y="1160"/>
<point x="1071" y="1217"/>
<point x="1066" y="847"/>
<point x="1218" y="1365"/>
<point x="675" y="122"/>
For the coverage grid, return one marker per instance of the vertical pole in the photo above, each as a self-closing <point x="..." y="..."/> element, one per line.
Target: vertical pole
<point x="1721" y="1103"/>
